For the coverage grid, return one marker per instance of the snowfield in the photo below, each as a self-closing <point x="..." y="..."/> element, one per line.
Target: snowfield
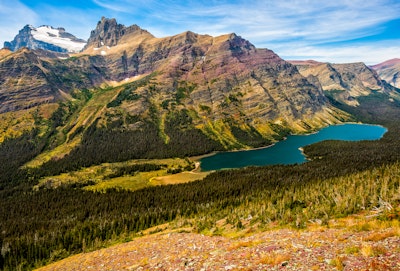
<point x="53" y="36"/>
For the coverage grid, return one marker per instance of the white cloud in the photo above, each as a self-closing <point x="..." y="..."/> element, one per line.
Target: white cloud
<point x="370" y="54"/>
<point x="308" y="20"/>
<point x="292" y="28"/>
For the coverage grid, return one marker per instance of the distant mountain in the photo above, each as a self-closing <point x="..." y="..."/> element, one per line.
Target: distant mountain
<point x="344" y="82"/>
<point x="46" y="38"/>
<point x="389" y="71"/>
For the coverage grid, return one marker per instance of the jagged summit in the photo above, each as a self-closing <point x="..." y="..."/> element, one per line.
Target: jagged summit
<point x="47" y="38"/>
<point x="109" y="33"/>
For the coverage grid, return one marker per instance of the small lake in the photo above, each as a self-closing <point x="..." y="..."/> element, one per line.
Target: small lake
<point x="288" y="151"/>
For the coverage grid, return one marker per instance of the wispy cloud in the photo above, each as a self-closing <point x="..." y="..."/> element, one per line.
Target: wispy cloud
<point x="371" y="53"/>
<point x="297" y="26"/>
<point x="304" y="28"/>
<point x="308" y="20"/>
<point x="78" y="22"/>
<point x="128" y="6"/>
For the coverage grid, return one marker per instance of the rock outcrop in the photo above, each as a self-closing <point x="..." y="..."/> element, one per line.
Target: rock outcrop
<point x="30" y="78"/>
<point x="109" y="33"/>
<point x="344" y="82"/>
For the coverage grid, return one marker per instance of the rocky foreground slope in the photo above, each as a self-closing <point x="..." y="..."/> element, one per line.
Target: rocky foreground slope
<point x="342" y="246"/>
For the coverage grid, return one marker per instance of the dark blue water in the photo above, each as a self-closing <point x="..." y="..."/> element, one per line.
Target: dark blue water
<point x="287" y="151"/>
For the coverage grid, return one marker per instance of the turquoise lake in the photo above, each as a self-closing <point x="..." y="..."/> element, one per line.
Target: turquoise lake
<point x="287" y="151"/>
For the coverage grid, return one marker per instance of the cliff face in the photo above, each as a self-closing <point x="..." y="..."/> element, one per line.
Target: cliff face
<point x="23" y="82"/>
<point x="30" y="78"/>
<point x="259" y="82"/>
<point x="345" y="82"/>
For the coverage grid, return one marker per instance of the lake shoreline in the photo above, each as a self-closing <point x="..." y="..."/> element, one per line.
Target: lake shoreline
<point x="351" y="125"/>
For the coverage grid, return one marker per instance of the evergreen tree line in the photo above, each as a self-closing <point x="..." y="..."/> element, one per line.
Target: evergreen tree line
<point x="102" y="144"/>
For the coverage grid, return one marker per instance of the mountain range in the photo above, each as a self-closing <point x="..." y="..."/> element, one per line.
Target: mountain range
<point x="231" y="92"/>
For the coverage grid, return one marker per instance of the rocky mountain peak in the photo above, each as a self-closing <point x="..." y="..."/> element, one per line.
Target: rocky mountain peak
<point x="237" y="44"/>
<point x="108" y="33"/>
<point x="46" y="38"/>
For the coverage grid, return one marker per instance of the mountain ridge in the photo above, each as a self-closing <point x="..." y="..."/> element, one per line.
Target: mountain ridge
<point x="234" y="93"/>
<point x="108" y="33"/>
<point x="346" y="81"/>
<point x="389" y="71"/>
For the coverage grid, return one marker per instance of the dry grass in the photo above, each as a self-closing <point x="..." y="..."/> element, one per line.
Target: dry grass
<point x="183" y="177"/>
<point x="139" y="180"/>
<point x="368" y="250"/>
<point x="378" y="236"/>
<point x="352" y="250"/>
<point x="240" y="244"/>
<point x="271" y="248"/>
<point x="56" y="153"/>
<point x="273" y="258"/>
<point x="338" y="262"/>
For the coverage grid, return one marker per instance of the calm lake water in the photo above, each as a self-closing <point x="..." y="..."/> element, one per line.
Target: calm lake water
<point x="287" y="151"/>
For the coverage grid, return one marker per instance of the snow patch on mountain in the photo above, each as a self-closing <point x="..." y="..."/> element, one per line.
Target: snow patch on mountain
<point x="54" y="36"/>
<point x="46" y="38"/>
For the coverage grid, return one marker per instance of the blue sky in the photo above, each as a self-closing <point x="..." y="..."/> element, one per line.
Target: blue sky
<point x="336" y="31"/>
